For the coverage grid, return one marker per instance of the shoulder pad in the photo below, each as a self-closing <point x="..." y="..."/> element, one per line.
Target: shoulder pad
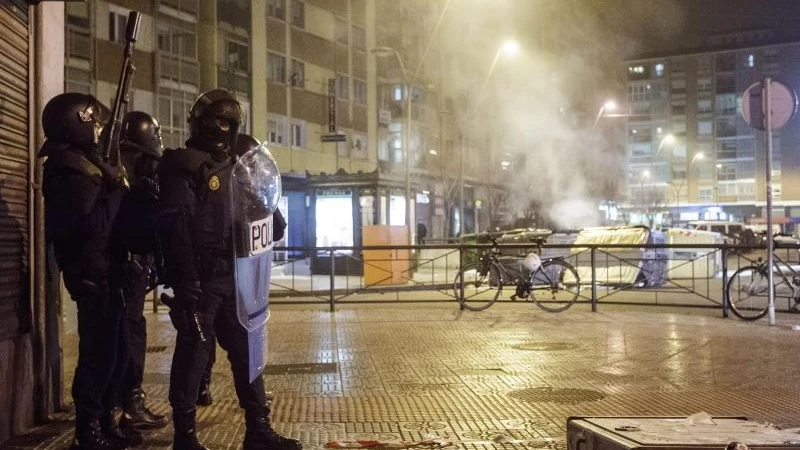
<point x="74" y="161"/>
<point x="182" y="160"/>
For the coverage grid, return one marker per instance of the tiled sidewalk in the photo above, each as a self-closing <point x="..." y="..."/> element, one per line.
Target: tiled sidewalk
<point x="511" y="373"/>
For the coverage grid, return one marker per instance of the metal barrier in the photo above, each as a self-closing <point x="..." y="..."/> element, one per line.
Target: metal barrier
<point x="689" y="275"/>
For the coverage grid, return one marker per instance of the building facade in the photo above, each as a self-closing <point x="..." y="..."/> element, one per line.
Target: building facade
<point x="691" y="155"/>
<point x="304" y="71"/>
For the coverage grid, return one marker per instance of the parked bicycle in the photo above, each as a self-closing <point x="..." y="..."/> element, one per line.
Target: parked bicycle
<point x="748" y="292"/>
<point x="552" y="284"/>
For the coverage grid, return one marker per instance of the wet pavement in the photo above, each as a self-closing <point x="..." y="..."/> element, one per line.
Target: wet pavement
<point x="507" y="377"/>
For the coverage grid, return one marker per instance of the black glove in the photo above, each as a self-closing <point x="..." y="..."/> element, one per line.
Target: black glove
<point x="114" y="176"/>
<point x="278" y="225"/>
<point x="147" y="188"/>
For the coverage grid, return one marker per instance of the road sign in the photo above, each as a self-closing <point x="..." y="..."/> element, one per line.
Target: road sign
<point x="783" y="103"/>
<point x="334" y="137"/>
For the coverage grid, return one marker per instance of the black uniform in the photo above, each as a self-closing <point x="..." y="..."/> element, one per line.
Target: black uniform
<point x="244" y="143"/>
<point x="195" y="229"/>
<point x="135" y="255"/>
<point x="82" y="196"/>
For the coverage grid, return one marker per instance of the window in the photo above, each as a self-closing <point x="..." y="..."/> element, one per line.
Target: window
<point x="342" y="87"/>
<point x="276" y="68"/>
<point x="359" y="38"/>
<point x="298" y="14"/>
<point x="277" y="9"/>
<point x="177" y="37"/>
<point x="173" y="109"/>
<point x="342" y="36"/>
<point x="117" y="25"/>
<point x="704" y="84"/>
<point x="751" y="60"/>
<point x="678" y="84"/>
<point x="77" y="80"/>
<point x="237" y="55"/>
<point x="359" y="92"/>
<point x="704" y="128"/>
<point x="659" y="69"/>
<point x="77" y="14"/>
<point x="397" y="92"/>
<point x="298" y="74"/>
<point x="704" y="106"/>
<point x="276" y="130"/>
<point x="299" y="133"/>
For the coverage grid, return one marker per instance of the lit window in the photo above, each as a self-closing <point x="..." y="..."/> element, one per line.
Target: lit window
<point x="659" y="70"/>
<point x="397" y="93"/>
<point x="751" y="60"/>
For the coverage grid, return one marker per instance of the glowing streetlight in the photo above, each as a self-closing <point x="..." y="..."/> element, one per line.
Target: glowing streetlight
<point x="668" y="139"/>
<point x="697" y="157"/>
<point x="509" y="47"/>
<point x="609" y="105"/>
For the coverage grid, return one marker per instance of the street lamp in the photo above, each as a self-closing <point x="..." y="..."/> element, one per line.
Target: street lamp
<point x="668" y="139"/>
<point x="699" y="156"/>
<point x="609" y="105"/>
<point x="383" y="52"/>
<point x="510" y="47"/>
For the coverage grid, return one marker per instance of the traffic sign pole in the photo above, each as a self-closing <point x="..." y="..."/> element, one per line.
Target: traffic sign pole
<point x="767" y="113"/>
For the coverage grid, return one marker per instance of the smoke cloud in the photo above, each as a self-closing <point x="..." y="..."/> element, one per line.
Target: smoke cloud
<point x="538" y="107"/>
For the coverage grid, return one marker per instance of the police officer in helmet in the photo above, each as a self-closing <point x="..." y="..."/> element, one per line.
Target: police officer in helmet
<point x="82" y="194"/>
<point x="195" y="229"/>
<point x="244" y="143"/>
<point x="135" y="256"/>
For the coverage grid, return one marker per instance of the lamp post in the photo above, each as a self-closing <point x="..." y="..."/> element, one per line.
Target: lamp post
<point x="609" y="105"/>
<point x="644" y="176"/>
<point x="509" y="47"/>
<point x="698" y="156"/>
<point x="384" y="51"/>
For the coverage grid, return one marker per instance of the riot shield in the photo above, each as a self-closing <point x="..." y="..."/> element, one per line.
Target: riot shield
<point x="255" y="191"/>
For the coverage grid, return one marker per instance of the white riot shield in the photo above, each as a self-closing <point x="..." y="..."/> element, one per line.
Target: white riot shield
<point x="255" y="191"/>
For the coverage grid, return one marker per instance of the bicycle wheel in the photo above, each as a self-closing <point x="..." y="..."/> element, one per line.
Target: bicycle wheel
<point x="748" y="293"/>
<point x="477" y="286"/>
<point x="555" y="285"/>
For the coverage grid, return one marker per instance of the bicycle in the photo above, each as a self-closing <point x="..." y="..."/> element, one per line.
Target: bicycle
<point x="748" y="293"/>
<point x="552" y="284"/>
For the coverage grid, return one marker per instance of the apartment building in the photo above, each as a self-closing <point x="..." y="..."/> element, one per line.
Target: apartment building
<point x="690" y="153"/>
<point x="303" y="71"/>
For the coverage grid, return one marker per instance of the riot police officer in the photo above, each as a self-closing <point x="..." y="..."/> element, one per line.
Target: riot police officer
<point x="195" y="230"/>
<point x="244" y="143"/>
<point x="82" y="195"/>
<point x="135" y="255"/>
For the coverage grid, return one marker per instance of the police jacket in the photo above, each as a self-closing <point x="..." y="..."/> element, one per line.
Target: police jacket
<point x="194" y="216"/>
<point x="79" y="210"/>
<point x="134" y="233"/>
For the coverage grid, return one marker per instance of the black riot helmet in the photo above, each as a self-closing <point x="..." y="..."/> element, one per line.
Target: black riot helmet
<point x="214" y="122"/>
<point x="143" y="130"/>
<point x="245" y="143"/>
<point x="76" y="119"/>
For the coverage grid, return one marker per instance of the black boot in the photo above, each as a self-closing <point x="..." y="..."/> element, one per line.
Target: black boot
<point x="259" y="434"/>
<point x="89" y="436"/>
<point x="138" y="416"/>
<point x="204" y="397"/>
<point x="185" y="431"/>
<point x="119" y="437"/>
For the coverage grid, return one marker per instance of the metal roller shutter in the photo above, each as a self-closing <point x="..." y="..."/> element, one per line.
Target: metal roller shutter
<point x="14" y="165"/>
